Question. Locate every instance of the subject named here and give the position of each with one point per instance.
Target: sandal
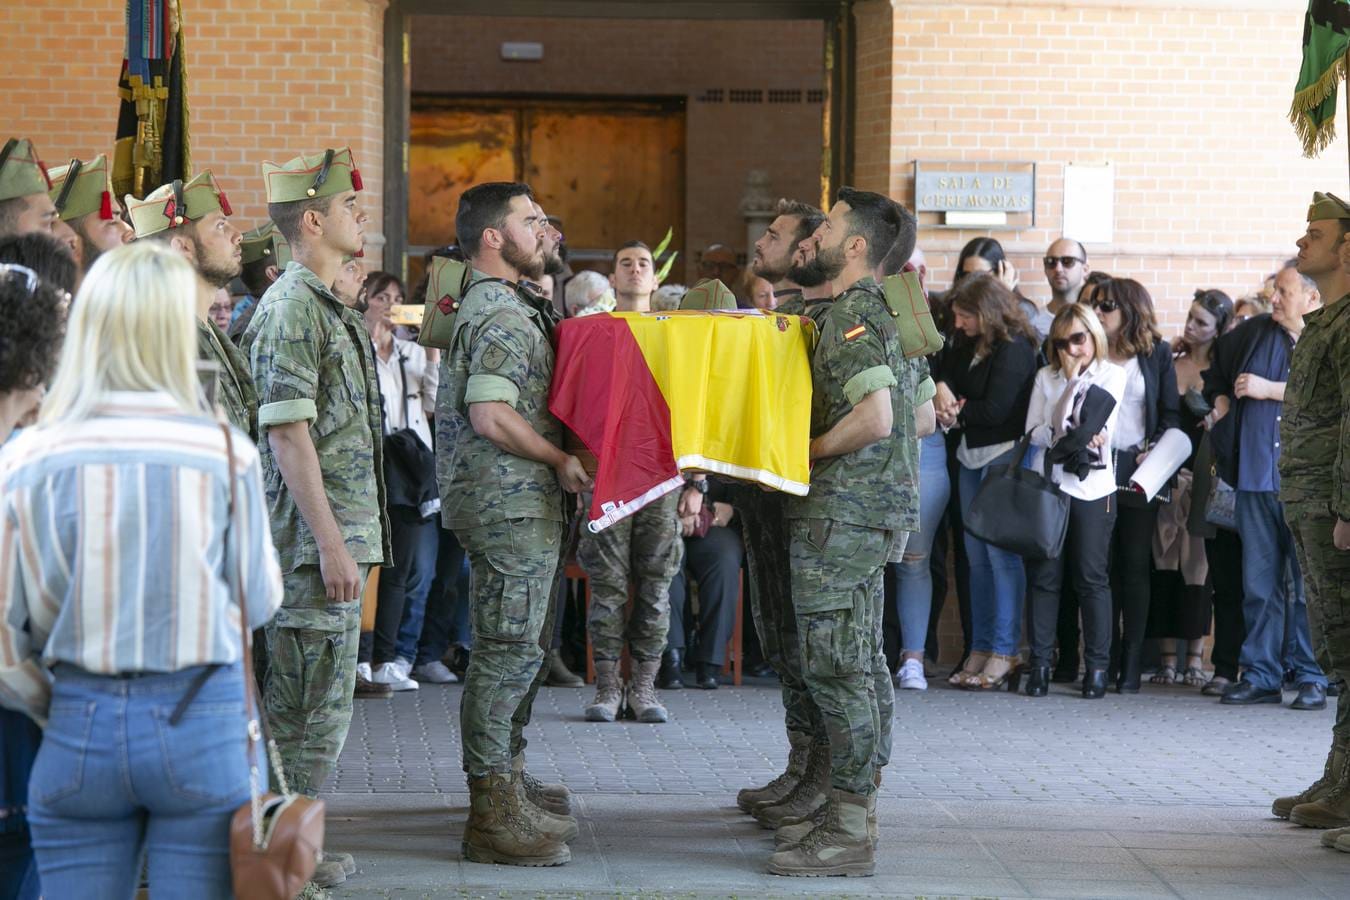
(1194, 676)
(1164, 675)
(974, 665)
(997, 670)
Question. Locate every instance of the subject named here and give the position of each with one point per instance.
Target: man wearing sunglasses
(24, 204)
(1066, 268)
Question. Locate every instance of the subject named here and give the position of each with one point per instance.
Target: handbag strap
(256, 725)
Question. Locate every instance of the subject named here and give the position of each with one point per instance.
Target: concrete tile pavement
(1165, 794)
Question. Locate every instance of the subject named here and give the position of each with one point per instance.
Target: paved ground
(1165, 794)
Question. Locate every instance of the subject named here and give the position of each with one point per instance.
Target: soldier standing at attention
(25, 206)
(801, 788)
(1315, 490)
(322, 467)
(193, 219)
(82, 195)
(502, 477)
(842, 532)
(644, 548)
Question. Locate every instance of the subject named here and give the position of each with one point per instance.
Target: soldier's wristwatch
(701, 486)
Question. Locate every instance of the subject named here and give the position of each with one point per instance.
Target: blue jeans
(115, 781)
(998, 582)
(915, 594)
(406, 585)
(1277, 623)
(444, 618)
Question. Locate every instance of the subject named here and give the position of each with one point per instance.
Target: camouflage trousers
(837, 590)
(525, 709)
(763, 515)
(512, 566)
(646, 550)
(311, 672)
(1326, 583)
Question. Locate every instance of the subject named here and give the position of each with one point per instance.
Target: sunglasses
(1077, 339)
(1106, 306)
(16, 272)
(1067, 262)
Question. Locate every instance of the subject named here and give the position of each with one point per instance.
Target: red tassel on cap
(105, 210)
(359, 254)
(224, 203)
(356, 180)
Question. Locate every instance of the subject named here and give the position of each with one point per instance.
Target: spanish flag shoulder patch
(856, 331)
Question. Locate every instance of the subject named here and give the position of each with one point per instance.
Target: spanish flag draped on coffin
(656, 394)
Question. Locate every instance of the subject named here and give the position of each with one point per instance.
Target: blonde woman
(1078, 361)
(118, 626)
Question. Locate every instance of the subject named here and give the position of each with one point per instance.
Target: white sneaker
(404, 666)
(363, 671)
(435, 672)
(389, 673)
(910, 676)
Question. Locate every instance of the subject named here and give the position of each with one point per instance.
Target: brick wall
(1187, 99)
(265, 80)
(659, 58)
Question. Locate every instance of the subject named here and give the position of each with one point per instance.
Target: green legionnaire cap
(80, 188)
(708, 294)
(22, 174)
(172, 205)
(257, 244)
(308, 177)
(1327, 206)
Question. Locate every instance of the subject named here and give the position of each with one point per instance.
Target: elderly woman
(123, 555)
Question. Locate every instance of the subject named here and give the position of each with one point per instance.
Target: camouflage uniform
(842, 533)
(235, 392)
(1315, 484)
(764, 528)
(507, 511)
(646, 548)
(311, 361)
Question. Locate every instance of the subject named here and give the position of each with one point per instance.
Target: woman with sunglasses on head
(1056, 415)
(985, 255)
(1151, 406)
(984, 385)
(1180, 605)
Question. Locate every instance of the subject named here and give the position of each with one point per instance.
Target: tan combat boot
(1329, 838)
(642, 692)
(1283, 806)
(838, 846)
(794, 830)
(500, 831)
(608, 692)
(806, 797)
(779, 788)
(554, 798)
(1332, 808)
(559, 828)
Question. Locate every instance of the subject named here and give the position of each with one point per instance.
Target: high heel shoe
(1038, 681)
(1094, 684)
(974, 665)
(997, 670)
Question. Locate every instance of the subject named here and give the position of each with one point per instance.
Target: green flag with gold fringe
(1326, 37)
(152, 128)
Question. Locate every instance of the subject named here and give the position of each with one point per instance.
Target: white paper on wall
(1090, 202)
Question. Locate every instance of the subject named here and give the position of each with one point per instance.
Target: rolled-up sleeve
(285, 363)
(499, 361)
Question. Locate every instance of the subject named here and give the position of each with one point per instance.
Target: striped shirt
(112, 541)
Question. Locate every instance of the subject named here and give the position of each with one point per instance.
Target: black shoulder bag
(1021, 510)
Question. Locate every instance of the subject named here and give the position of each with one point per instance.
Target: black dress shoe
(669, 677)
(1038, 681)
(1244, 693)
(1130, 675)
(1310, 696)
(1094, 684)
(707, 679)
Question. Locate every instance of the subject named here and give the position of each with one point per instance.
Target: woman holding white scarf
(1078, 361)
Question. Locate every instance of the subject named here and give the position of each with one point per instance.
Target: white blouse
(1130, 429)
(410, 398)
(1045, 396)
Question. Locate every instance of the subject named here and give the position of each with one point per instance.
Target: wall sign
(976, 194)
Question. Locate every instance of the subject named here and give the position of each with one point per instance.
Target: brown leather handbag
(276, 839)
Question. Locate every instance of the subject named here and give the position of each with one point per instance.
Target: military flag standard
(152, 127)
(1326, 38)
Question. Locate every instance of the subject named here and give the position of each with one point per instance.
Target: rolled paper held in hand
(1164, 459)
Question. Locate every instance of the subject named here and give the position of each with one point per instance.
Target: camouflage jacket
(1315, 420)
(500, 350)
(859, 353)
(311, 361)
(235, 392)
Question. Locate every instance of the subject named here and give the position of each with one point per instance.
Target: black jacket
(1232, 354)
(997, 390)
(1162, 403)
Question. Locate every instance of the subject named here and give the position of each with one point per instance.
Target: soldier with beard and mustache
(82, 194)
(193, 218)
(502, 478)
(803, 290)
